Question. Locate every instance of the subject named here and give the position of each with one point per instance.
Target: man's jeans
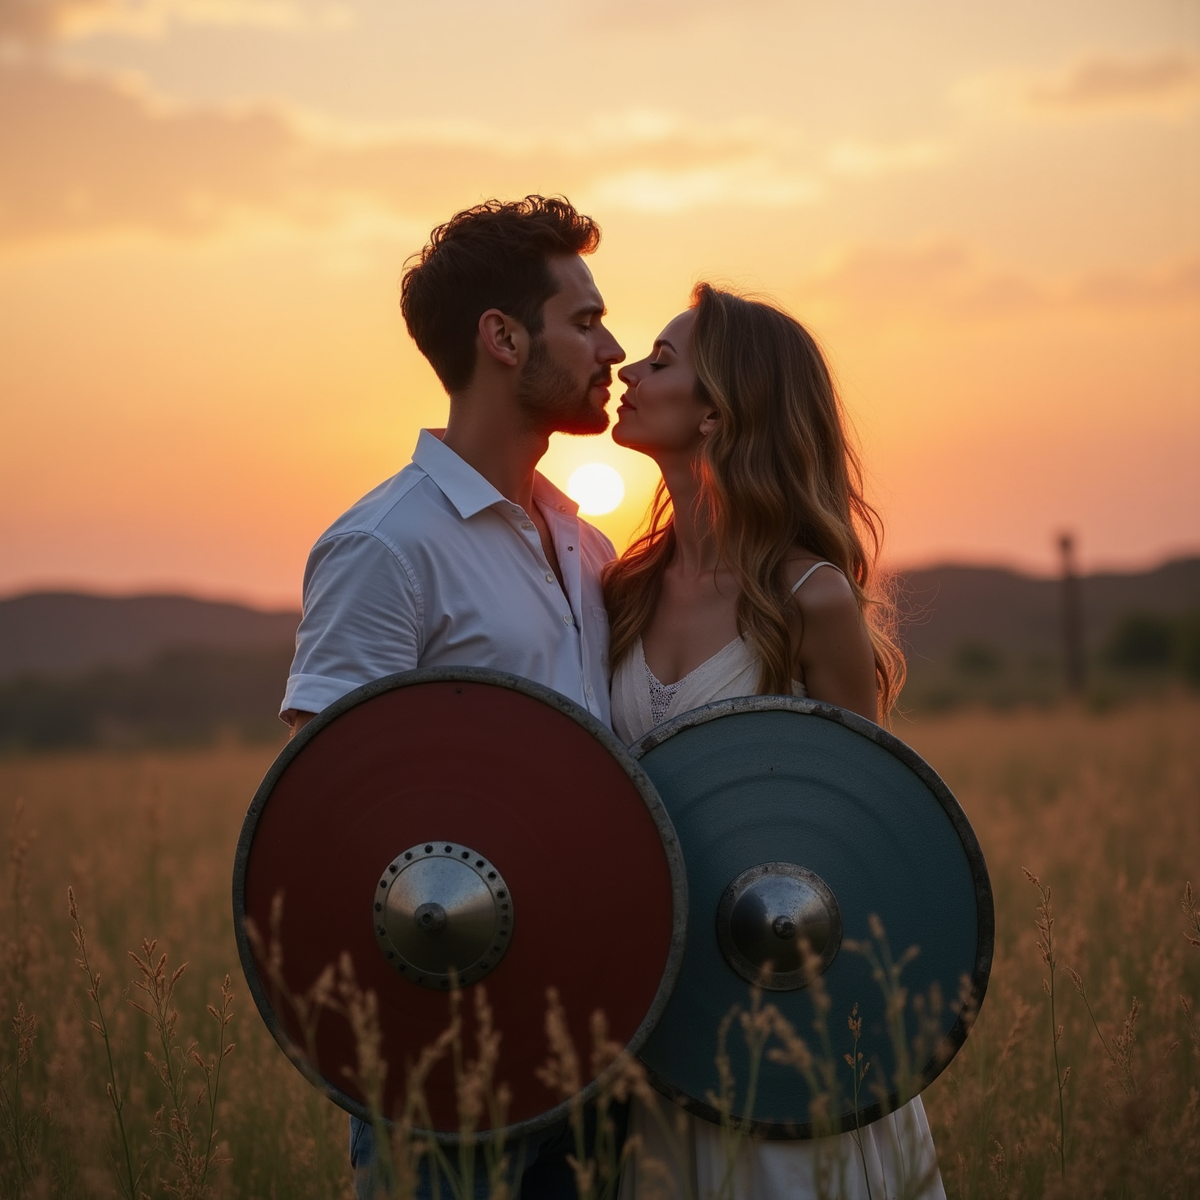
(537, 1167)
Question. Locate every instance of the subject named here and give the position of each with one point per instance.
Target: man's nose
(612, 352)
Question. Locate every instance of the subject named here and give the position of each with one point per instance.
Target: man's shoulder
(394, 510)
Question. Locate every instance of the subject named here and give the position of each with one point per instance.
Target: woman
(753, 578)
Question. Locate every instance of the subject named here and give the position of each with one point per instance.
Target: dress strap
(822, 563)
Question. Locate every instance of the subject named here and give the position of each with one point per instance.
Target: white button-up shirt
(435, 568)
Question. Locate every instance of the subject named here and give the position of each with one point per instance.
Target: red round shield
(554, 838)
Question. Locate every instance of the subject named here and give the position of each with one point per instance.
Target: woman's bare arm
(836, 661)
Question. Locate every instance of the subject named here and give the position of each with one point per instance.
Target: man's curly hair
(495, 255)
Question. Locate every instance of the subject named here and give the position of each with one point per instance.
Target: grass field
(1104, 809)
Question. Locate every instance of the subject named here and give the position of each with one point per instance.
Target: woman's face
(659, 412)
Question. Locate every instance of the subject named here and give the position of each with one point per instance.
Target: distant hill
(67, 633)
(80, 670)
(943, 607)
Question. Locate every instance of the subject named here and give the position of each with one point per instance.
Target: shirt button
(589, 690)
(549, 577)
(526, 524)
(568, 619)
(562, 508)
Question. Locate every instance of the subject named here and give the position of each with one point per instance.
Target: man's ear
(503, 337)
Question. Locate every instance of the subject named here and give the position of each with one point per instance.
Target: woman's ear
(709, 422)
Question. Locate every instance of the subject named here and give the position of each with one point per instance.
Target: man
(468, 557)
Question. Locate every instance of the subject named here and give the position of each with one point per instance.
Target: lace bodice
(640, 701)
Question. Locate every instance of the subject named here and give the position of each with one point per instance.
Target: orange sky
(987, 213)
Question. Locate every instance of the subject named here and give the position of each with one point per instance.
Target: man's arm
(362, 620)
(296, 720)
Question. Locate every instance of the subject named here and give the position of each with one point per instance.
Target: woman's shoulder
(818, 585)
(810, 576)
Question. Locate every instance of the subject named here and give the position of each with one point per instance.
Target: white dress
(898, 1150)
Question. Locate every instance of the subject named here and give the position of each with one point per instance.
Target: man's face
(564, 382)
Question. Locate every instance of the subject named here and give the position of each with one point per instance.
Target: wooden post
(1075, 667)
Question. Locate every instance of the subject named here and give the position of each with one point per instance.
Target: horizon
(169, 591)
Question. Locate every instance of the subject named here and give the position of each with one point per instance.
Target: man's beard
(551, 398)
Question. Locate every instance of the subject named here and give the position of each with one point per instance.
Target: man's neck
(503, 453)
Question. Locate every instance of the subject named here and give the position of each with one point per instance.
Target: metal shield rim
(620, 752)
(984, 900)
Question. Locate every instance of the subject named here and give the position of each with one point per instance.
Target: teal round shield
(840, 925)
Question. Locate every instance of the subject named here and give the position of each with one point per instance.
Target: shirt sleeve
(361, 620)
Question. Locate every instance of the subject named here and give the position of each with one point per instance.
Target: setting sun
(597, 488)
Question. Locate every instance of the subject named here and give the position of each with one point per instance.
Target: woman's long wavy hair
(776, 474)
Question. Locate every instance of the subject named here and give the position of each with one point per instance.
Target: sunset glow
(985, 213)
(597, 488)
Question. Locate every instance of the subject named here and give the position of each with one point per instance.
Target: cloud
(747, 183)
(87, 156)
(867, 159)
(951, 282)
(1102, 83)
(37, 22)
(621, 18)
(80, 154)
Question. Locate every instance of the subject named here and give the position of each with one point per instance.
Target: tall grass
(131, 1075)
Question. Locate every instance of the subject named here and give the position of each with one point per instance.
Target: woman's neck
(695, 544)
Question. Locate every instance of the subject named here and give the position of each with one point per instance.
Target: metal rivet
(408, 854)
(393, 868)
(383, 883)
(428, 849)
(449, 849)
(379, 908)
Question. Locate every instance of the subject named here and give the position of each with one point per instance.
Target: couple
(752, 576)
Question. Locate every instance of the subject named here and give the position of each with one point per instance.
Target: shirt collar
(467, 490)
